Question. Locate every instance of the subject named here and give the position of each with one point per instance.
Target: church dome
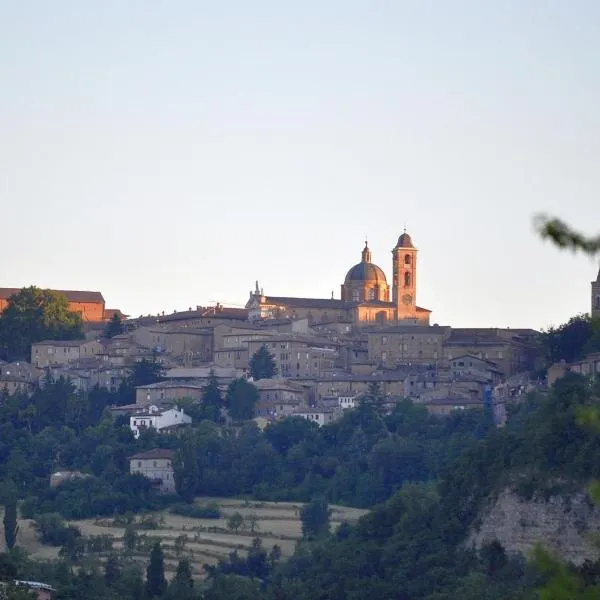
(366, 270)
(404, 241)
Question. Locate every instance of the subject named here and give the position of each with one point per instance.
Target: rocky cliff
(563, 523)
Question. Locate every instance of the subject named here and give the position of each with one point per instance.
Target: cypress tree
(156, 584)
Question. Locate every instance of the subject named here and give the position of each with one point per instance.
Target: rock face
(564, 524)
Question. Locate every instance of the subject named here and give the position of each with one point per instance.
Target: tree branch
(563, 236)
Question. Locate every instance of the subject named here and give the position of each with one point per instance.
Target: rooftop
(71, 295)
(157, 453)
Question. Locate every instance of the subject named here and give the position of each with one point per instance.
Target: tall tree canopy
(114, 326)
(262, 364)
(241, 399)
(33, 315)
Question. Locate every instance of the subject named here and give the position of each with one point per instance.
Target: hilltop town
(326, 352)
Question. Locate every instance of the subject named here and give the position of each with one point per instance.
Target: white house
(346, 402)
(321, 415)
(157, 419)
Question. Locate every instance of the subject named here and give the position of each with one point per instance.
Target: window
(407, 259)
(384, 339)
(597, 302)
(406, 279)
(500, 354)
(355, 296)
(372, 294)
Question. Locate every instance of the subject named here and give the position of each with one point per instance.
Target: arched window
(406, 279)
(407, 259)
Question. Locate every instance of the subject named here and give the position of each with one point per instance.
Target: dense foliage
(262, 364)
(33, 315)
(572, 340)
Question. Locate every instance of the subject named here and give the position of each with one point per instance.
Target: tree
(253, 522)
(145, 372)
(33, 315)
(187, 469)
(572, 340)
(114, 326)
(212, 399)
(11, 527)
(262, 364)
(563, 236)
(315, 518)
(241, 399)
(183, 575)
(129, 539)
(156, 584)
(235, 521)
(234, 587)
(112, 570)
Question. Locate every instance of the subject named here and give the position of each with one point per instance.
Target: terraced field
(206, 540)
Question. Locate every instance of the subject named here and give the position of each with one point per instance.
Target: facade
(157, 419)
(404, 345)
(596, 297)
(366, 296)
(277, 398)
(320, 415)
(511, 350)
(90, 305)
(297, 356)
(51, 352)
(468, 365)
(165, 391)
(201, 316)
(157, 466)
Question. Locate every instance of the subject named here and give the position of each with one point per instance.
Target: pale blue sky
(170, 153)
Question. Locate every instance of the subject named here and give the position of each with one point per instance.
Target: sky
(170, 154)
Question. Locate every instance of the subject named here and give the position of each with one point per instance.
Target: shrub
(54, 531)
(197, 511)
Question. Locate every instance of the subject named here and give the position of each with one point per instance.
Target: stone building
(404, 345)
(366, 297)
(157, 419)
(297, 356)
(62, 352)
(277, 398)
(157, 466)
(167, 391)
(511, 350)
(596, 297)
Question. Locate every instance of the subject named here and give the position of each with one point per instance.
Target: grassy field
(208, 540)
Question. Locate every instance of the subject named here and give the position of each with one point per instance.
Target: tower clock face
(407, 299)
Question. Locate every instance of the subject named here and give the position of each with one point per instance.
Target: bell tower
(404, 288)
(596, 297)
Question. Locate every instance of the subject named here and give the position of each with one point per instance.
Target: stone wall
(564, 524)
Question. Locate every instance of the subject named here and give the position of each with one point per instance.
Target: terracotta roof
(150, 454)
(310, 302)
(222, 312)
(109, 313)
(72, 343)
(71, 295)
(411, 329)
